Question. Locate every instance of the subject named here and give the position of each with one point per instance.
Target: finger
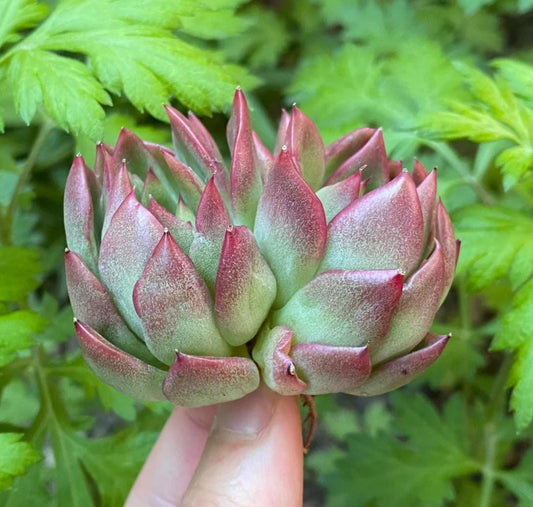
(254, 455)
(171, 463)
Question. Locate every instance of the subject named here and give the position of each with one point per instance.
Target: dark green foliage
(449, 81)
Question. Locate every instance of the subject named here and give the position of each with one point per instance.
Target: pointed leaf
(343, 308)
(420, 173)
(371, 159)
(401, 371)
(79, 212)
(192, 148)
(175, 306)
(381, 230)
(450, 247)
(263, 156)
(427, 193)
(336, 197)
(281, 138)
(326, 369)
(245, 287)
(181, 231)
(194, 381)
(121, 370)
(271, 353)
(152, 187)
(188, 183)
(212, 218)
(342, 149)
(416, 309)
(307, 147)
(245, 176)
(128, 244)
(117, 186)
(290, 227)
(92, 305)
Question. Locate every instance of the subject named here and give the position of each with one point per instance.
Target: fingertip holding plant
(314, 269)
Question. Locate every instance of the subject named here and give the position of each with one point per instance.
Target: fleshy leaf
(398, 372)
(342, 149)
(212, 221)
(92, 305)
(371, 160)
(188, 183)
(192, 148)
(264, 157)
(281, 137)
(291, 237)
(175, 306)
(245, 287)
(420, 173)
(181, 231)
(450, 247)
(126, 247)
(416, 309)
(130, 148)
(153, 187)
(381, 230)
(245, 176)
(336, 197)
(306, 146)
(427, 193)
(121, 370)
(79, 212)
(117, 186)
(194, 381)
(326, 369)
(212, 218)
(271, 353)
(343, 308)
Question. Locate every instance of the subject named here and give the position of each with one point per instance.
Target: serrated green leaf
(70, 479)
(495, 240)
(18, 270)
(494, 113)
(417, 470)
(522, 378)
(66, 87)
(15, 331)
(262, 42)
(388, 92)
(515, 334)
(17, 15)
(518, 75)
(158, 65)
(15, 458)
(105, 454)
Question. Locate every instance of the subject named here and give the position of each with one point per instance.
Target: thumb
(254, 454)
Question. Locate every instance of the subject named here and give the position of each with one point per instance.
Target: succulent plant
(316, 269)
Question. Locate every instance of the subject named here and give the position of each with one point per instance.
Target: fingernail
(247, 417)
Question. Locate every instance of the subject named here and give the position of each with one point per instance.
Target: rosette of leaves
(317, 269)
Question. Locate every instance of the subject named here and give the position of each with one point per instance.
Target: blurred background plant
(448, 80)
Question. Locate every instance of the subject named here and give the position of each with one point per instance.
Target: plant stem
(493, 412)
(24, 175)
(487, 485)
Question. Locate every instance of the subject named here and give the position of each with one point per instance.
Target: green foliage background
(448, 80)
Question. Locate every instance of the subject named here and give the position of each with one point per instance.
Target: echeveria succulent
(318, 269)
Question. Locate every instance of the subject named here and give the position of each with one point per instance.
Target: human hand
(246, 452)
